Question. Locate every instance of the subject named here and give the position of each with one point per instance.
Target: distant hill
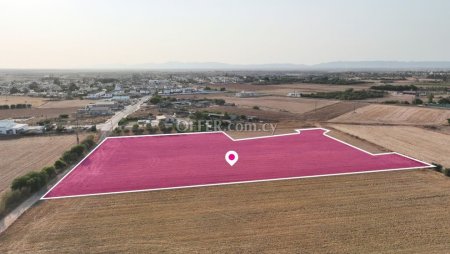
(342, 65)
(389, 65)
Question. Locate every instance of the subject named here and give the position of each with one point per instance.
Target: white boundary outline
(297, 132)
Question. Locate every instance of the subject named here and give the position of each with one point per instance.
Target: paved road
(114, 120)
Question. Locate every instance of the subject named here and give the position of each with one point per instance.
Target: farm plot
(19, 156)
(390, 212)
(144, 163)
(387, 114)
(417, 142)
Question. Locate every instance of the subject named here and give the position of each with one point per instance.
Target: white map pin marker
(231, 157)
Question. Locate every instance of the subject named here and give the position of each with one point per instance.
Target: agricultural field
(389, 114)
(22, 155)
(417, 142)
(284, 89)
(43, 109)
(66, 104)
(399, 212)
(34, 101)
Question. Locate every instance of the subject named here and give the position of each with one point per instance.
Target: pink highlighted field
(144, 163)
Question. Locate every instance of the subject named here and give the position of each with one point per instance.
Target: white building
(294, 94)
(9, 127)
(245, 94)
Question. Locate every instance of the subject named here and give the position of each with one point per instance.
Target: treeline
(15, 106)
(332, 81)
(348, 94)
(395, 88)
(24, 186)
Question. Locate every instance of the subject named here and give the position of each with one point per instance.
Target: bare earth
(38, 113)
(34, 101)
(66, 104)
(284, 89)
(394, 212)
(387, 114)
(19, 156)
(419, 143)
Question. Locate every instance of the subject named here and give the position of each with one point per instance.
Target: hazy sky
(73, 34)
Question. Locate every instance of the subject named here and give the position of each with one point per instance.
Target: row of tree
(24, 186)
(15, 106)
(395, 88)
(348, 94)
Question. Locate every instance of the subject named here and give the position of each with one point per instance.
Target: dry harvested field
(387, 114)
(66, 104)
(270, 103)
(19, 156)
(392, 212)
(34, 101)
(284, 89)
(38, 113)
(419, 143)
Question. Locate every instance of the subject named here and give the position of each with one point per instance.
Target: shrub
(155, 99)
(446, 172)
(36, 180)
(123, 121)
(64, 116)
(150, 129)
(32, 181)
(256, 107)
(60, 165)
(417, 101)
(93, 128)
(69, 157)
(437, 167)
(50, 171)
(78, 150)
(19, 182)
(448, 120)
(88, 142)
(11, 199)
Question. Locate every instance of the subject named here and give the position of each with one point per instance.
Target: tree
(448, 120)
(88, 142)
(19, 183)
(222, 89)
(117, 131)
(417, 101)
(155, 99)
(78, 150)
(14, 90)
(135, 128)
(430, 98)
(93, 128)
(162, 126)
(73, 87)
(444, 101)
(150, 129)
(60, 165)
(256, 107)
(50, 171)
(34, 86)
